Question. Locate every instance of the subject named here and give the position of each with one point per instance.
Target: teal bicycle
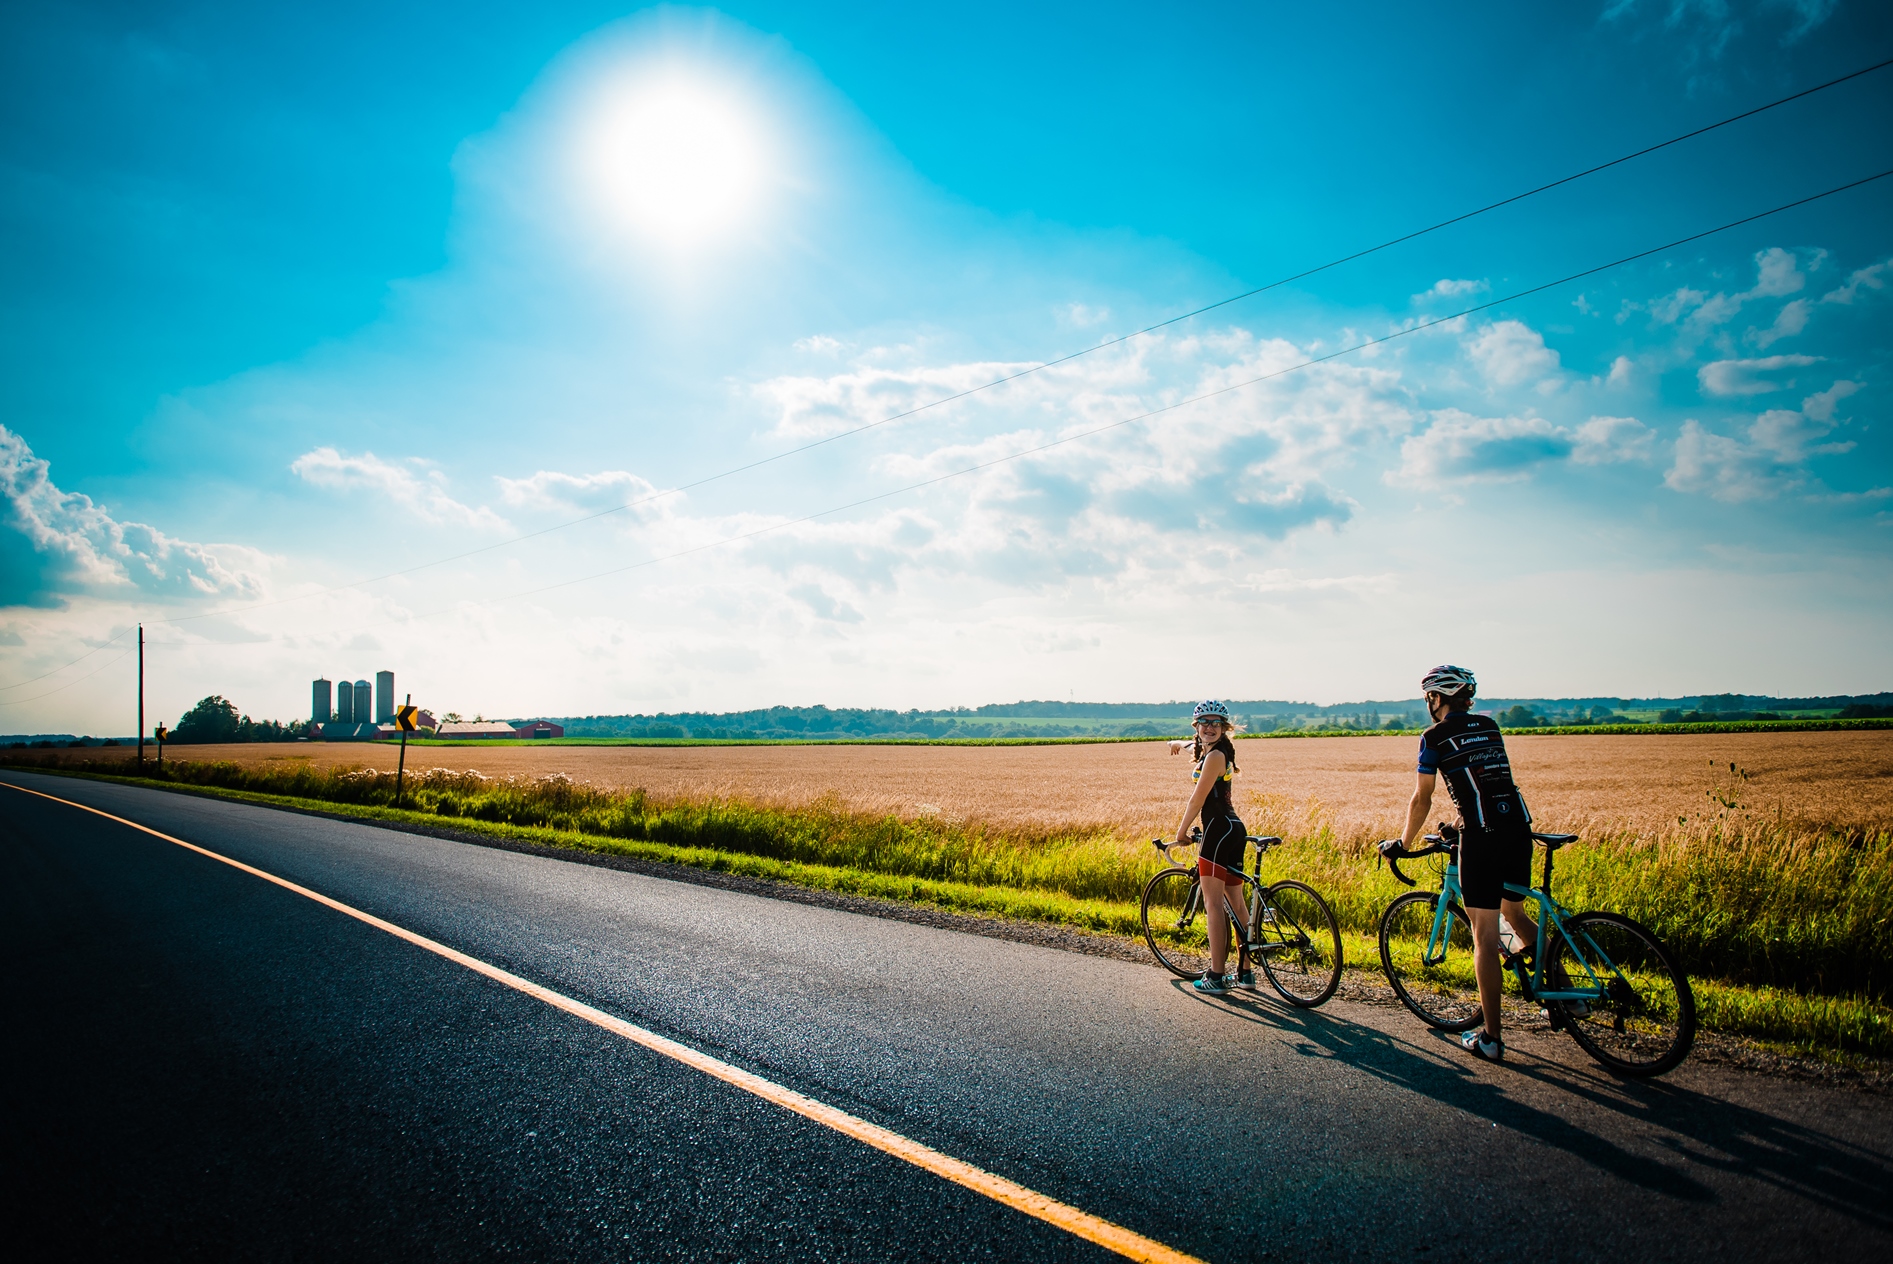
(1602, 977)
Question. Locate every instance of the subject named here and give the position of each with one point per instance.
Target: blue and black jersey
(1469, 752)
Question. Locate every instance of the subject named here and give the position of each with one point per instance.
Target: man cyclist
(1494, 831)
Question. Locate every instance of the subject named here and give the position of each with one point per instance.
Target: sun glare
(678, 159)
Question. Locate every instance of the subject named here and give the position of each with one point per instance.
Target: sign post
(140, 730)
(160, 732)
(404, 720)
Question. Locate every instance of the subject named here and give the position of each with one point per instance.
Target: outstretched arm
(1420, 805)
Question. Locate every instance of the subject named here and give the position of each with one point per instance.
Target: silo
(344, 703)
(384, 697)
(320, 705)
(364, 702)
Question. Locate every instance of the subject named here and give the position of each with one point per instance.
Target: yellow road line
(1083, 1224)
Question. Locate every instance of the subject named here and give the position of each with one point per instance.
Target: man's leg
(1485, 964)
(1522, 924)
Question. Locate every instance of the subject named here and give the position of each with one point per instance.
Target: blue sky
(297, 298)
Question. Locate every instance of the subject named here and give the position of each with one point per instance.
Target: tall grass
(1745, 901)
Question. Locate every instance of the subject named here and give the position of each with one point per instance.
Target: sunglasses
(1200, 723)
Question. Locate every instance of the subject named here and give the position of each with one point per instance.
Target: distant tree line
(1160, 719)
(215, 719)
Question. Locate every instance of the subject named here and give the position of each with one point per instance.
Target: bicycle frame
(1257, 902)
(1551, 914)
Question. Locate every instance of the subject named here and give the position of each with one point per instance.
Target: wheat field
(1358, 786)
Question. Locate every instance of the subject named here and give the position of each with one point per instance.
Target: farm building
(539, 728)
(340, 732)
(475, 731)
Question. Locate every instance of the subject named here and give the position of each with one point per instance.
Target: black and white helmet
(1448, 681)
(1210, 709)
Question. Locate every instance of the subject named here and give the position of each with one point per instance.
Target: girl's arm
(1213, 767)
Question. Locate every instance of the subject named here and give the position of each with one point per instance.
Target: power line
(1048, 364)
(55, 671)
(1195, 399)
(70, 683)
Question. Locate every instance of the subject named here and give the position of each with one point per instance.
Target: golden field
(1359, 785)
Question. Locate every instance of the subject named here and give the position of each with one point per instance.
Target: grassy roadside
(1829, 1026)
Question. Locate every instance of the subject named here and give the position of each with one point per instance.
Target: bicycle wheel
(1299, 943)
(1174, 924)
(1442, 993)
(1645, 1022)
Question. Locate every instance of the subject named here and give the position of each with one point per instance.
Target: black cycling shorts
(1220, 855)
(1487, 861)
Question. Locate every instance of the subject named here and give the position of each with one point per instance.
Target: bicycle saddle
(1554, 841)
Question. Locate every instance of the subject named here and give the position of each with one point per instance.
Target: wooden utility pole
(141, 697)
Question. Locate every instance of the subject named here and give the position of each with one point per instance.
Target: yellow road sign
(404, 718)
(161, 732)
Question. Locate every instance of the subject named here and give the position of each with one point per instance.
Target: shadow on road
(1689, 1128)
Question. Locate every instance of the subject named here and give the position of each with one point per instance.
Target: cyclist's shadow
(1435, 1069)
(1725, 1136)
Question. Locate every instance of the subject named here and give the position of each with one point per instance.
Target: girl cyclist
(1219, 857)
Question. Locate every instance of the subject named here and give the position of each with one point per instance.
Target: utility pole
(141, 698)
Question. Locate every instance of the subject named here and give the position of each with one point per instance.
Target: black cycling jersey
(1219, 803)
(1469, 752)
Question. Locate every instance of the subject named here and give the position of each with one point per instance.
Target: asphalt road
(200, 1063)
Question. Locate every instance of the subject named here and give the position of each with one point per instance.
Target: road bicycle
(1293, 934)
(1602, 977)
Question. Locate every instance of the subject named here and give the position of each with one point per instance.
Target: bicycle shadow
(1443, 1074)
(1735, 1139)
(1694, 1129)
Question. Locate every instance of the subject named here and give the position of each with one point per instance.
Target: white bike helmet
(1210, 709)
(1448, 681)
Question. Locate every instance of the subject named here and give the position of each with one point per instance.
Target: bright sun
(679, 158)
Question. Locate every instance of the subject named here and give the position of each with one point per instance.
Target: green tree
(212, 720)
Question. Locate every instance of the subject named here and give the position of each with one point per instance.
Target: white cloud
(1605, 440)
(1460, 446)
(1509, 352)
(1872, 277)
(1820, 405)
(1446, 288)
(1778, 273)
(551, 490)
(1768, 462)
(824, 606)
(1745, 377)
(398, 487)
(1620, 369)
(55, 544)
(811, 406)
(1789, 321)
(818, 344)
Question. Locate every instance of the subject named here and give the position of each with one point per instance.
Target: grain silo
(384, 697)
(320, 704)
(344, 703)
(364, 702)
